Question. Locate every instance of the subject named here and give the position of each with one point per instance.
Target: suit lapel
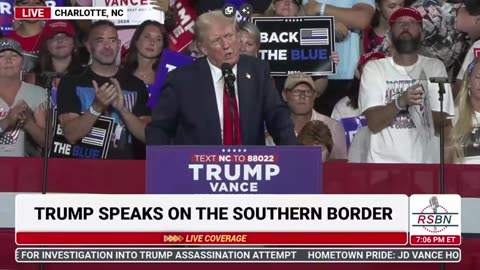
(208, 100)
(245, 85)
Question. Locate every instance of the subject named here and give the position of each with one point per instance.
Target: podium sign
(227, 170)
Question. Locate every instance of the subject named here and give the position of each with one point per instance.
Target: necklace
(145, 76)
(407, 69)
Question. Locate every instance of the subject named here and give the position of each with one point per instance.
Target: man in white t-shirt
(398, 100)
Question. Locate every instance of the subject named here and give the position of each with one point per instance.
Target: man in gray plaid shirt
(449, 30)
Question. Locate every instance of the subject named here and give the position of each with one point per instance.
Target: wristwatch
(92, 111)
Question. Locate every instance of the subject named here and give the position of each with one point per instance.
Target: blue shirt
(348, 49)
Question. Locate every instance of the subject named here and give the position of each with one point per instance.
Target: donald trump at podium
(222, 99)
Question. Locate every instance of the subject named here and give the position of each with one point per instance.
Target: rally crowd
(386, 51)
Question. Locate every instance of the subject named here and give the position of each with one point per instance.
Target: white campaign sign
(137, 11)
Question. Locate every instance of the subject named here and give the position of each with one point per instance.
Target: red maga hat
(406, 11)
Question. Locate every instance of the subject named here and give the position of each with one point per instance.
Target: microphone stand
(441, 92)
(232, 112)
(48, 87)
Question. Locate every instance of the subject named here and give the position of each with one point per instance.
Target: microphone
(440, 80)
(434, 203)
(229, 78)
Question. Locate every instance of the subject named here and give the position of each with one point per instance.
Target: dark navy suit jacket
(187, 112)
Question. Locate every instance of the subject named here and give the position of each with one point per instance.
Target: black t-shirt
(76, 94)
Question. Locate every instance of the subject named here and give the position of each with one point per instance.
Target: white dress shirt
(219, 83)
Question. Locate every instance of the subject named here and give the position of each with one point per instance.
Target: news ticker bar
(239, 255)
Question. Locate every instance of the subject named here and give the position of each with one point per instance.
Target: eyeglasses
(406, 23)
(299, 92)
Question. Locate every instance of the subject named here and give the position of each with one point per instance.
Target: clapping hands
(20, 114)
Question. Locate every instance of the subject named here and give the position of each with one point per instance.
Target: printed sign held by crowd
(300, 44)
(138, 11)
(182, 34)
(352, 125)
(168, 62)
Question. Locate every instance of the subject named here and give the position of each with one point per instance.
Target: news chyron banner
(192, 220)
(297, 44)
(435, 220)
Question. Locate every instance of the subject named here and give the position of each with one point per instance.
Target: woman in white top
(465, 135)
(23, 108)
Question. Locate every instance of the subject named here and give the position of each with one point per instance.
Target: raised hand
(26, 116)
(14, 115)
(334, 57)
(312, 8)
(341, 31)
(161, 5)
(104, 96)
(412, 96)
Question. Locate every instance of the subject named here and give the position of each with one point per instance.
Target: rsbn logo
(435, 218)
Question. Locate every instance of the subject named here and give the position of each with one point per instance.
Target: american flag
(96, 136)
(10, 137)
(314, 36)
(130, 99)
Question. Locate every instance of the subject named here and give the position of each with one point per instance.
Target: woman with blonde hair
(465, 135)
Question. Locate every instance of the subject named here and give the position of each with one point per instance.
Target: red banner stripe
(436, 240)
(209, 238)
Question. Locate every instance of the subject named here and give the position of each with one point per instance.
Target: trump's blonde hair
(205, 20)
